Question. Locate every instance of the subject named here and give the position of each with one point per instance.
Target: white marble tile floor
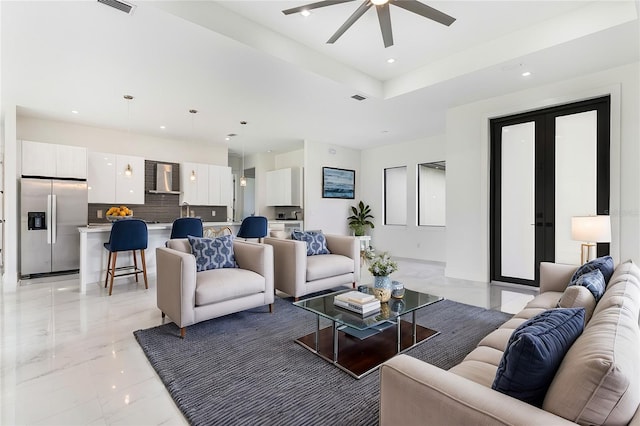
(68, 359)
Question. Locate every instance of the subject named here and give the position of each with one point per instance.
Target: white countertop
(106, 227)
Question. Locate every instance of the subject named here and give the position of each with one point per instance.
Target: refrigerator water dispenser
(36, 221)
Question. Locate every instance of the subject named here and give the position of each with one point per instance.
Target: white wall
(11, 217)
(119, 142)
(262, 163)
(289, 159)
(410, 241)
(468, 164)
(328, 214)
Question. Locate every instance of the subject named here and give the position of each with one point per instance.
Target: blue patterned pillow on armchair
(213, 253)
(316, 241)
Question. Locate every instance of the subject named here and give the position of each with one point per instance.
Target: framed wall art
(338, 183)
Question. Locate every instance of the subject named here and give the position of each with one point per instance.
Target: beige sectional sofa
(598, 381)
(189, 297)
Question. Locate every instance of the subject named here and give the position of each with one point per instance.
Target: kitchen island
(93, 256)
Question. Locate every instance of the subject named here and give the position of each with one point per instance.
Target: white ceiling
(245, 60)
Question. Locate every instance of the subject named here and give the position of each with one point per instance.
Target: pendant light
(128, 171)
(243, 179)
(193, 113)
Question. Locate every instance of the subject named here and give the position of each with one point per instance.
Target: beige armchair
(297, 274)
(189, 297)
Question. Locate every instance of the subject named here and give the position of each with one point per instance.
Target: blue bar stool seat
(126, 235)
(253, 227)
(186, 226)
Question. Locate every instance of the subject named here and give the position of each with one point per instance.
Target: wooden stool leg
(270, 308)
(144, 269)
(113, 270)
(106, 275)
(183, 332)
(135, 263)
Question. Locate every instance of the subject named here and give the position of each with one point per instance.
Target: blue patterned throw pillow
(604, 264)
(316, 241)
(593, 281)
(213, 253)
(534, 352)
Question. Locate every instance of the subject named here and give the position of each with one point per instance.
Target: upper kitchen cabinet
(194, 183)
(53, 160)
(220, 185)
(115, 179)
(284, 187)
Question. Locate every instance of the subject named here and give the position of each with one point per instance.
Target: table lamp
(590, 230)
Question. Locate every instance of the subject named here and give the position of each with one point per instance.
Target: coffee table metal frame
(365, 326)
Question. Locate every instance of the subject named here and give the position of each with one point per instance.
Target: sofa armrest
(555, 276)
(413, 392)
(290, 265)
(176, 285)
(346, 246)
(257, 258)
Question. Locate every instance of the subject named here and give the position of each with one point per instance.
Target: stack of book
(358, 302)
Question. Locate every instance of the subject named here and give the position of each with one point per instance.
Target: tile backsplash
(162, 208)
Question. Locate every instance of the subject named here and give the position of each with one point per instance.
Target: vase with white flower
(381, 267)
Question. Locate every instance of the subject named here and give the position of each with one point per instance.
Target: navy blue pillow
(316, 241)
(604, 264)
(534, 353)
(594, 282)
(213, 253)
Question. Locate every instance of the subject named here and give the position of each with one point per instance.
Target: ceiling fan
(384, 17)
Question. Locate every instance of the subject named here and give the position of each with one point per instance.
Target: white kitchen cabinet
(101, 178)
(194, 184)
(129, 187)
(108, 182)
(284, 187)
(53, 160)
(71, 161)
(220, 182)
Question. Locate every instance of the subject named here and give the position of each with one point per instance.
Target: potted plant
(359, 220)
(381, 267)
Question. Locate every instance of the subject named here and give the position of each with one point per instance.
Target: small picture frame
(338, 183)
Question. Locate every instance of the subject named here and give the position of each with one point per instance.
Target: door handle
(54, 218)
(49, 218)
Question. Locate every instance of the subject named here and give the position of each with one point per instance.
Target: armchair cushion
(218, 285)
(328, 265)
(213, 253)
(316, 241)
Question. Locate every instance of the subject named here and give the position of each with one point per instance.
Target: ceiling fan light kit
(384, 16)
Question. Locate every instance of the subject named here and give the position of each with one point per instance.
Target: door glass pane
(576, 154)
(431, 194)
(395, 196)
(518, 201)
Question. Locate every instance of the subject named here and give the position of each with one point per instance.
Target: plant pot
(358, 230)
(382, 288)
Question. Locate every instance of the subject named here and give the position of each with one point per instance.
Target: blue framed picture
(338, 183)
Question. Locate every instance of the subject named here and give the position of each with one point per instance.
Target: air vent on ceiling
(118, 4)
(358, 97)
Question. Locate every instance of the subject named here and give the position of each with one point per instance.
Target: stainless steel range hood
(164, 180)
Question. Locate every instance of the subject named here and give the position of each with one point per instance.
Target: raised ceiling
(245, 60)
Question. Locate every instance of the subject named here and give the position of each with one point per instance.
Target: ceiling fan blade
(314, 6)
(426, 11)
(349, 22)
(384, 17)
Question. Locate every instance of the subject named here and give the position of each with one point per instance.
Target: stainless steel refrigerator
(51, 211)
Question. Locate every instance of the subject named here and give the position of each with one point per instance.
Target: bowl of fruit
(117, 213)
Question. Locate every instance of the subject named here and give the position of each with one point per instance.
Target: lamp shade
(595, 229)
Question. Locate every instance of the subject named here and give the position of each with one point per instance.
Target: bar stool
(186, 226)
(126, 235)
(253, 227)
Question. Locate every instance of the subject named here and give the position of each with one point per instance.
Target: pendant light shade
(243, 179)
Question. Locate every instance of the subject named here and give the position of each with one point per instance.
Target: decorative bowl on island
(117, 213)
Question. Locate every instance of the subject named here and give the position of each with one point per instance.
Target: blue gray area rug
(246, 369)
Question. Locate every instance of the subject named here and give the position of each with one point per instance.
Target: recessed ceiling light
(227, 138)
(526, 74)
(305, 13)
(74, 112)
(163, 127)
(390, 60)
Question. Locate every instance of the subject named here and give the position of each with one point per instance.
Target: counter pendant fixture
(128, 171)
(193, 175)
(243, 179)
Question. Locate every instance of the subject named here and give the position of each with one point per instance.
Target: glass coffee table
(359, 344)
